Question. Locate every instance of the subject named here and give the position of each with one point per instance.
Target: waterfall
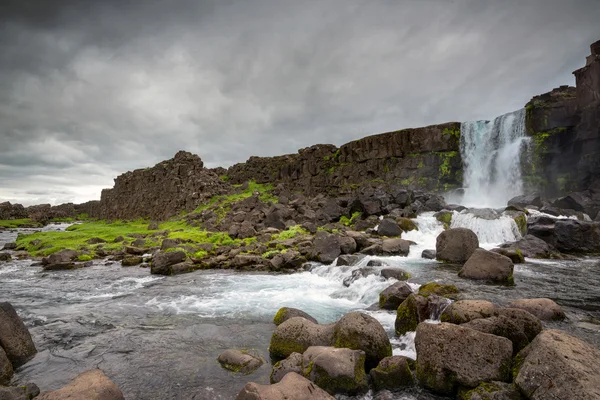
(490, 153)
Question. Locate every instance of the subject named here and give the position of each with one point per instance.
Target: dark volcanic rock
(14, 336)
(162, 261)
(393, 296)
(387, 227)
(456, 245)
(488, 265)
(90, 385)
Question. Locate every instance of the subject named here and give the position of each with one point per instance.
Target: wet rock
(62, 257)
(393, 296)
(5, 257)
(130, 261)
(558, 366)
(136, 251)
(394, 247)
(162, 261)
(410, 312)
(362, 239)
(292, 386)
(518, 326)
(326, 247)
(487, 265)
(349, 260)
(463, 311)
(182, 267)
(514, 254)
(577, 236)
(544, 309)
(375, 263)
(169, 244)
(449, 356)
(90, 385)
(393, 373)
(373, 250)
(360, 331)
(439, 289)
(388, 227)
(347, 244)
(526, 200)
(291, 364)
(456, 245)
(6, 368)
(492, 391)
(531, 246)
(297, 334)
(9, 246)
(26, 392)
(395, 273)
(286, 313)
(428, 254)
(240, 361)
(14, 336)
(95, 240)
(357, 274)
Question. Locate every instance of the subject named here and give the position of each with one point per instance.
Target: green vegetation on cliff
(18, 223)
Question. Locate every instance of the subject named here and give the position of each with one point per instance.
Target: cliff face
(422, 158)
(168, 188)
(564, 125)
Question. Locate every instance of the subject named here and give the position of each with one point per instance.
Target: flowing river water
(159, 337)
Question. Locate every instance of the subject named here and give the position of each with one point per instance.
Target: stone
(95, 240)
(336, 370)
(492, 391)
(410, 312)
(388, 227)
(90, 385)
(9, 246)
(449, 356)
(577, 236)
(291, 364)
(61, 257)
(526, 200)
(182, 268)
(428, 254)
(130, 261)
(14, 336)
(162, 261)
(456, 245)
(349, 260)
(241, 361)
(515, 256)
(375, 263)
(327, 247)
(297, 334)
(391, 297)
(292, 386)
(5, 257)
(169, 244)
(531, 246)
(347, 244)
(544, 309)
(439, 289)
(136, 251)
(558, 366)
(25, 392)
(395, 273)
(286, 313)
(487, 265)
(357, 274)
(518, 326)
(395, 247)
(360, 331)
(6, 368)
(392, 373)
(463, 311)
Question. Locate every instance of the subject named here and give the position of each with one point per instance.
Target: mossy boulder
(242, 361)
(408, 314)
(407, 225)
(492, 391)
(163, 260)
(130, 261)
(336, 370)
(297, 334)
(439, 289)
(358, 331)
(6, 368)
(521, 221)
(393, 373)
(463, 311)
(391, 297)
(445, 217)
(286, 313)
(544, 309)
(395, 273)
(450, 356)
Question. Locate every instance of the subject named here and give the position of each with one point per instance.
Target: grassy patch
(290, 233)
(350, 221)
(17, 223)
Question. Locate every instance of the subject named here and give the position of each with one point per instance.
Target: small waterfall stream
(490, 151)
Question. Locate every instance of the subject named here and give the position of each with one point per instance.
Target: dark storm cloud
(91, 89)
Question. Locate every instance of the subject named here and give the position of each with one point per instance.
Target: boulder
(449, 356)
(357, 274)
(456, 245)
(577, 236)
(439, 289)
(360, 331)
(95, 240)
(526, 200)
(492, 391)
(14, 336)
(240, 361)
(60, 258)
(531, 246)
(5, 257)
(544, 309)
(297, 334)
(558, 366)
(336, 370)
(514, 254)
(6, 368)
(362, 239)
(375, 263)
(292, 386)
(9, 246)
(412, 311)
(395, 273)
(388, 227)
(130, 261)
(182, 267)
(395, 247)
(90, 385)
(291, 364)
(349, 260)
(135, 251)
(393, 373)
(487, 265)
(169, 244)
(518, 326)
(286, 313)
(326, 247)
(25, 392)
(428, 254)
(391, 297)
(463, 311)
(347, 244)
(162, 261)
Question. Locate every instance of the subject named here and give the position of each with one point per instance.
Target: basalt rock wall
(423, 158)
(564, 125)
(170, 187)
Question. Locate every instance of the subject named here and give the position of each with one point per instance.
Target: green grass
(290, 233)
(350, 221)
(16, 223)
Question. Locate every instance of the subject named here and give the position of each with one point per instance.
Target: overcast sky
(91, 89)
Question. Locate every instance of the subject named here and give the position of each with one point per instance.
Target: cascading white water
(490, 152)
(490, 232)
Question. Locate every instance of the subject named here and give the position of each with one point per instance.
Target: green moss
(445, 218)
(84, 257)
(407, 318)
(350, 221)
(18, 223)
(521, 221)
(452, 132)
(445, 159)
(290, 233)
(408, 181)
(439, 289)
(224, 178)
(271, 253)
(407, 225)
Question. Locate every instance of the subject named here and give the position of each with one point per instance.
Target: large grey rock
(456, 245)
(526, 200)
(391, 297)
(336, 370)
(360, 331)
(60, 257)
(286, 313)
(395, 247)
(544, 309)
(297, 334)
(396, 273)
(531, 246)
(326, 247)
(162, 261)
(25, 392)
(449, 356)
(577, 236)
(492, 391)
(6, 368)
(387, 227)
(292, 386)
(414, 309)
(463, 311)
(291, 364)
(487, 265)
(14, 336)
(558, 366)
(241, 361)
(347, 244)
(392, 373)
(90, 385)
(349, 260)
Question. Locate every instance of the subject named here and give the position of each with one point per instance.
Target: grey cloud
(89, 90)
